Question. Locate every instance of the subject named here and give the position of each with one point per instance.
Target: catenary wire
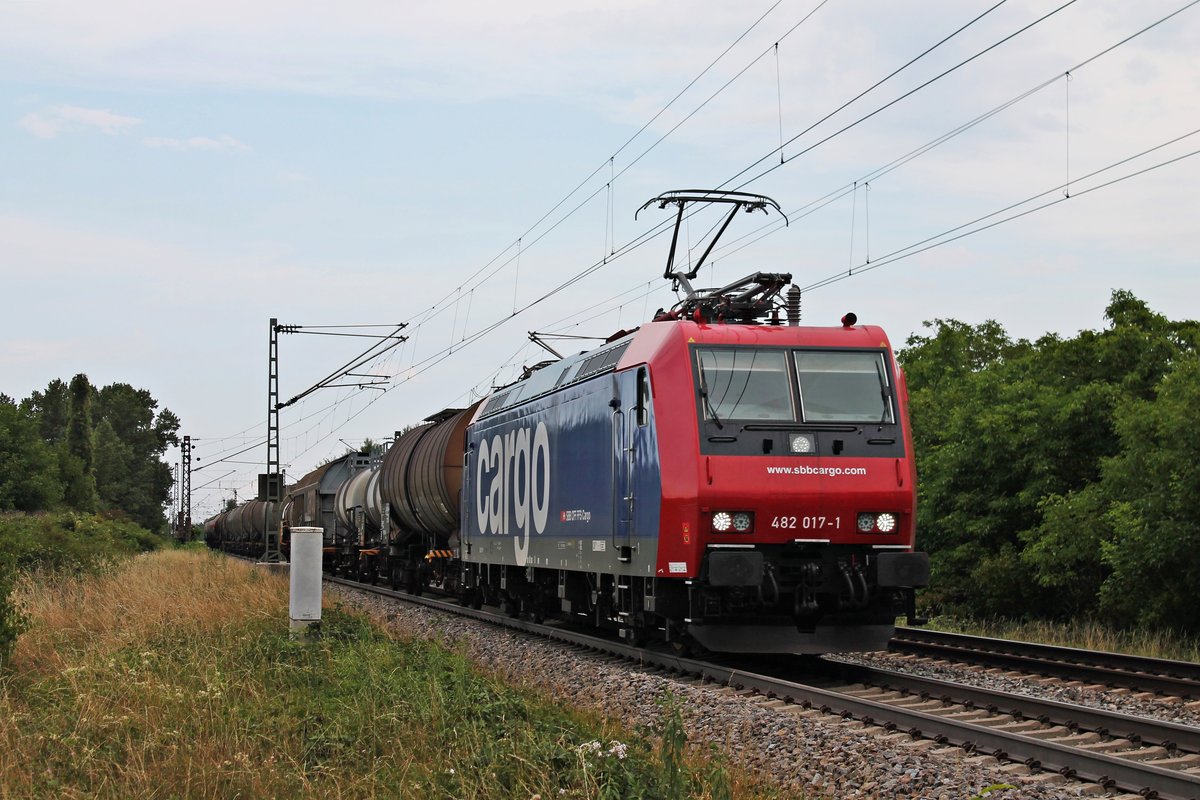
(434, 311)
(628, 247)
(939, 239)
(889, 104)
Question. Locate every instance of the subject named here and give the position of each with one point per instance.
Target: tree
(107, 445)
(52, 409)
(967, 407)
(76, 452)
(115, 469)
(1126, 364)
(28, 468)
(1151, 488)
(130, 439)
(1012, 439)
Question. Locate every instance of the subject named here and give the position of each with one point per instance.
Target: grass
(1085, 634)
(171, 675)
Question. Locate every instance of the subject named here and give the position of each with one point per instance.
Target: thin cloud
(49, 122)
(223, 143)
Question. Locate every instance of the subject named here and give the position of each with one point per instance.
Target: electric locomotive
(721, 478)
(715, 478)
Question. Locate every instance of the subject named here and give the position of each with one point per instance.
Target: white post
(305, 599)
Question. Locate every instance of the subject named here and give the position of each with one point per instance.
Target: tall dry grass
(116, 688)
(190, 593)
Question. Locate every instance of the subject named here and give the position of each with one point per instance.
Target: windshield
(746, 384)
(843, 387)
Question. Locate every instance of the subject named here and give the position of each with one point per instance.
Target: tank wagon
(241, 529)
(719, 478)
(389, 518)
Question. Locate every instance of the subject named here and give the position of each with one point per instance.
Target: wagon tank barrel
(421, 477)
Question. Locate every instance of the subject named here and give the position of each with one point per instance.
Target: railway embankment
(172, 674)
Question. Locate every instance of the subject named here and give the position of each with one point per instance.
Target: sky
(176, 174)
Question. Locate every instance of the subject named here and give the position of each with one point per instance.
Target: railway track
(1152, 743)
(1119, 752)
(1138, 673)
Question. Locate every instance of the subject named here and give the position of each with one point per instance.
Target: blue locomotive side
(568, 480)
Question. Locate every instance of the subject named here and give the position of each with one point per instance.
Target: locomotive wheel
(688, 647)
(412, 582)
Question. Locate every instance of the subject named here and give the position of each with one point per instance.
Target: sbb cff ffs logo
(512, 480)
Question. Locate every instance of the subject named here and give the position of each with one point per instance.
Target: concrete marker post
(304, 606)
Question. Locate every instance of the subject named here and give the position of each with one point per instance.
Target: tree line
(73, 446)
(1060, 478)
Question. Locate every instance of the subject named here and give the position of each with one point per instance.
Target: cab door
(631, 436)
(622, 483)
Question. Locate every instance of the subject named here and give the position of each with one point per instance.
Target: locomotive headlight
(722, 521)
(801, 443)
(743, 521)
(866, 523)
(886, 523)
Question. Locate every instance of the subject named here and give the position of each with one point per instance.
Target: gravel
(804, 752)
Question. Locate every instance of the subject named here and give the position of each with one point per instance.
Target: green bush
(70, 541)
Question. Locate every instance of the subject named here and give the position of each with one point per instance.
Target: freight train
(720, 478)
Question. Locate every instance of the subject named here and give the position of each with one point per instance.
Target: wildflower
(618, 749)
(590, 747)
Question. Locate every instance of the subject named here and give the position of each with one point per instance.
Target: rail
(1161, 676)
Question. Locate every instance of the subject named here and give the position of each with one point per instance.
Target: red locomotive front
(788, 484)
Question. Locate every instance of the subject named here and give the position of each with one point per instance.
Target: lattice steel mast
(270, 487)
(185, 494)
